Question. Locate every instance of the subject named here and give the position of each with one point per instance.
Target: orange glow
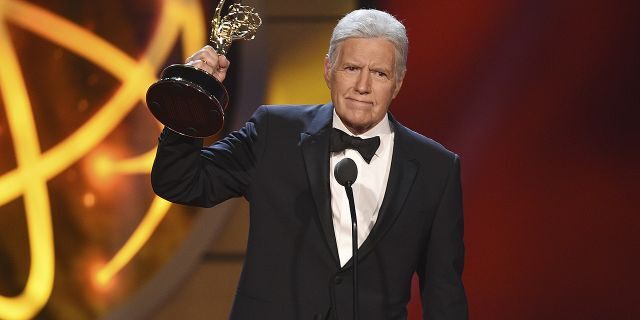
(35, 167)
(100, 284)
(98, 168)
(102, 166)
(89, 199)
(152, 218)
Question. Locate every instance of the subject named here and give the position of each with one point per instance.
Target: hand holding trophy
(188, 99)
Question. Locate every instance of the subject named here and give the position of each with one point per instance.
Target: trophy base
(189, 101)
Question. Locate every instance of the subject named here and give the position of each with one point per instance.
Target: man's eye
(350, 68)
(380, 74)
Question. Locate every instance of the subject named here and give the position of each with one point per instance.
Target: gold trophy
(191, 101)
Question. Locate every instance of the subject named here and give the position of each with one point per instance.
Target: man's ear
(398, 84)
(327, 71)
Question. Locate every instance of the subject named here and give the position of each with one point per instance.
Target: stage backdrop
(540, 99)
(80, 228)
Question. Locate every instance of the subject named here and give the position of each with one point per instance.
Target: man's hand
(208, 60)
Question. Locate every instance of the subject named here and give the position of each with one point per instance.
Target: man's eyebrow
(381, 69)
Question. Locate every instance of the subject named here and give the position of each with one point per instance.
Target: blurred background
(539, 98)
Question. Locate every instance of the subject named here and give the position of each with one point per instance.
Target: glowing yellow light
(36, 198)
(36, 168)
(155, 214)
(98, 284)
(102, 166)
(99, 167)
(140, 164)
(293, 79)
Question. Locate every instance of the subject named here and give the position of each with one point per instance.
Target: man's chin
(357, 127)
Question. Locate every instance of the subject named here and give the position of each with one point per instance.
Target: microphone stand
(354, 246)
(346, 173)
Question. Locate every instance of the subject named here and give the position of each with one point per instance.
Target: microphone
(346, 173)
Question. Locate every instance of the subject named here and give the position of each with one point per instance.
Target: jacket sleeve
(184, 172)
(443, 295)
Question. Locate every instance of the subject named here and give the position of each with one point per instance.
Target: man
(408, 198)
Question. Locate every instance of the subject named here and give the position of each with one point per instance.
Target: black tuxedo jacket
(280, 163)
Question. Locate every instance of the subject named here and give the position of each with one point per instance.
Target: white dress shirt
(368, 190)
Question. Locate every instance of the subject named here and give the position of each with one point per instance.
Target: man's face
(363, 81)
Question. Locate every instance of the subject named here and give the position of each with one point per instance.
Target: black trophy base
(189, 101)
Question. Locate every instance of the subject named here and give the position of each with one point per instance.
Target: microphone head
(346, 172)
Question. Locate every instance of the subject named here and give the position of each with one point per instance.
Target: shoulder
(290, 111)
(296, 117)
(422, 148)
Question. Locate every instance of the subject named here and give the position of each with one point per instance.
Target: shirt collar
(383, 129)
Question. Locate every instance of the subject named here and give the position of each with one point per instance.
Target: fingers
(208, 60)
(205, 59)
(202, 65)
(223, 65)
(209, 56)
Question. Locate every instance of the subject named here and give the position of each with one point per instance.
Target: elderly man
(408, 197)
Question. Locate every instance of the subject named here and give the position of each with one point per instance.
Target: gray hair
(371, 23)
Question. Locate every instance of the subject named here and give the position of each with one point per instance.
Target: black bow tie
(340, 140)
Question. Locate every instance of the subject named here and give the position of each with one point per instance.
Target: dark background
(540, 99)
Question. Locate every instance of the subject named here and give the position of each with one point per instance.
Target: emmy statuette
(191, 101)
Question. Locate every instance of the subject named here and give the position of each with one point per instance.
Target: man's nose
(363, 82)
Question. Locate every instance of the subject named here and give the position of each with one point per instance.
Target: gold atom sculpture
(34, 167)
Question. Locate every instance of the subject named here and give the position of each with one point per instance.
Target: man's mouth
(360, 101)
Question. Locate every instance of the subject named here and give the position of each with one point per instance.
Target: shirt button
(338, 280)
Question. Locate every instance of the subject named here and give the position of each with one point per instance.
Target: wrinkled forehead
(379, 52)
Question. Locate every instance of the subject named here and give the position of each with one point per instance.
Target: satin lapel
(401, 176)
(314, 144)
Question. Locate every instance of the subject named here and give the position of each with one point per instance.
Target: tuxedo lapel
(314, 143)
(401, 176)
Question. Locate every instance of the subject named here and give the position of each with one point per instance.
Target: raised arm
(185, 172)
